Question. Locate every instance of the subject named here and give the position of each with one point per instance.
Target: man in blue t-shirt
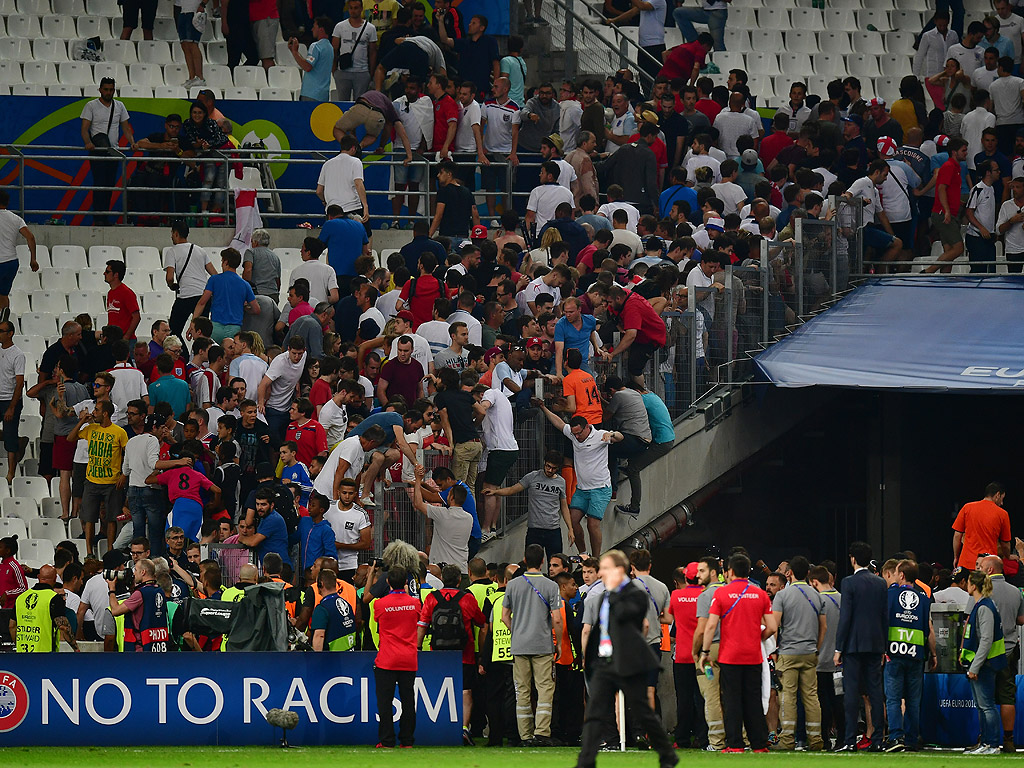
(317, 63)
(346, 241)
(228, 296)
(271, 533)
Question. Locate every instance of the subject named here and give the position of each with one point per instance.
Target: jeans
(181, 316)
(386, 680)
(984, 689)
(148, 511)
(278, 423)
(105, 170)
(630, 448)
(904, 681)
(685, 17)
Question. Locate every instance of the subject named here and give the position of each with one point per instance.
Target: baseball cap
(536, 341)
(855, 119)
(876, 102)
(749, 158)
(479, 232)
(886, 146)
(941, 140)
(960, 573)
(691, 571)
(491, 353)
(715, 223)
(555, 140)
(114, 559)
(406, 315)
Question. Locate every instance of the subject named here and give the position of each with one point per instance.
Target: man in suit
(619, 658)
(860, 643)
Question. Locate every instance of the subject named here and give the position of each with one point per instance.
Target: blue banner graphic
(184, 699)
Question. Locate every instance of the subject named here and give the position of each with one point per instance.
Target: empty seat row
(90, 280)
(800, 65)
(136, 257)
(784, 19)
(853, 5)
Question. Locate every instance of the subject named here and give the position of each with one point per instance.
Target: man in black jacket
(619, 658)
(860, 643)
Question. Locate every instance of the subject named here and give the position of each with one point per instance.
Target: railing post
(691, 310)
(798, 262)
(21, 178)
(730, 325)
(833, 251)
(623, 52)
(123, 161)
(764, 291)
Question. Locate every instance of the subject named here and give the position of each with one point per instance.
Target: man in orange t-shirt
(580, 390)
(982, 527)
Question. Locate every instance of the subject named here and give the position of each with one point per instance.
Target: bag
(284, 503)
(447, 628)
(101, 141)
(345, 60)
(199, 21)
(103, 621)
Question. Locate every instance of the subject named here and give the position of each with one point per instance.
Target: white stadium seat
(911, 21)
(170, 92)
(37, 7)
(879, 19)
(276, 94)
(62, 27)
(10, 72)
(114, 69)
(217, 52)
(35, 553)
(157, 302)
(801, 41)
(249, 77)
(736, 39)
(73, 8)
(155, 52)
(12, 526)
(68, 257)
(30, 425)
(94, 26)
(31, 487)
(835, 42)
(122, 51)
(24, 26)
(240, 94)
(745, 18)
(861, 65)
(830, 64)
(767, 41)
(85, 302)
(795, 64)
(41, 73)
(50, 50)
(143, 257)
(60, 280)
(99, 255)
(135, 92)
(48, 302)
(773, 18)
(175, 74)
(42, 256)
(164, 29)
(218, 76)
(894, 64)
(807, 18)
(19, 303)
(868, 42)
(51, 509)
(43, 529)
(146, 74)
(72, 91)
(23, 508)
(26, 280)
(78, 73)
(284, 77)
(15, 49)
(763, 63)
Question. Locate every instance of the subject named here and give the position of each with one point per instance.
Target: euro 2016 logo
(909, 599)
(13, 701)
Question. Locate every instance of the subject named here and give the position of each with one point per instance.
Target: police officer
(145, 611)
(39, 616)
(334, 621)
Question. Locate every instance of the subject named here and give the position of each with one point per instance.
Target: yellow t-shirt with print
(106, 449)
(380, 13)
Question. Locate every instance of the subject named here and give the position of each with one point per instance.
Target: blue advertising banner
(949, 716)
(183, 699)
(298, 125)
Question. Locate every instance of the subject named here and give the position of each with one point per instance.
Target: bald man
(39, 616)
(1010, 605)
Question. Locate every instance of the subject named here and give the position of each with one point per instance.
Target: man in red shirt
(982, 528)
(396, 615)
(682, 611)
(777, 140)
(451, 576)
(419, 294)
(685, 61)
(705, 104)
(307, 434)
(122, 303)
(742, 608)
(946, 208)
(446, 116)
(643, 331)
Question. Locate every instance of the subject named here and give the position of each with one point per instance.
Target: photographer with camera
(145, 610)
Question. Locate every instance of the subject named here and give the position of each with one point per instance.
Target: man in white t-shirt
(347, 460)
(11, 226)
(981, 234)
(727, 190)
(129, 381)
(734, 122)
(353, 531)
(188, 267)
(246, 365)
(623, 124)
(322, 279)
(333, 415)
(341, 179)
(102, 121)
(469, 137)
(546, 197)
(502, 449)
(551, 149)
(593, 477)
(277, 387)
(12, 386)
(699, 156)
(615, 203)
(357, 38)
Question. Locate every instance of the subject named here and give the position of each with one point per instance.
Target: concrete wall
(700, 456)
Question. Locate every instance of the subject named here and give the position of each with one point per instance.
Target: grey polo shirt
(800, 606)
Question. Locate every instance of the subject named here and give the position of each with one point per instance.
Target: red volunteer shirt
(471, 614)
(396, 615)
(683, 607)
(122, 303)
(740, 605)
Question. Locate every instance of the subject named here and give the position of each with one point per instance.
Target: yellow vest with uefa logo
(230, 595)
(501, 636)
(481, 592)
(36, 631)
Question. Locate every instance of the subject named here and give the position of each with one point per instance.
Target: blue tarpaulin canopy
(928, 333)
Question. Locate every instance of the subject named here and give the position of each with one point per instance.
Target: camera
(378, 563)
(124, 580)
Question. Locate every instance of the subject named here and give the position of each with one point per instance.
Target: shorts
(498, 465)
(904, 230)
(131, 10)
(266, 33)
(639, 356)
(947, 234)
(409, 174)
(1006, 679)
(494, 176)
(63, 453)
(8, 271)
(592, 503)
(12, 442)
(96, 494)
(187, 514)
(187, 33)
(877, 238)
(468, 676)
(78, 480)
(407, 57)
(361, 115)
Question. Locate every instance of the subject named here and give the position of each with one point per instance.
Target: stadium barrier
(184, 700)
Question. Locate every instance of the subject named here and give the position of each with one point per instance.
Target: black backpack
(447, 628)
(284, 503)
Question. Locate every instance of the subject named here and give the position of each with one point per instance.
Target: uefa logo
(909, 599)
(13, 701)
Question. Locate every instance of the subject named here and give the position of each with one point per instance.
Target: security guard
(247, 576)
(39, 616)
(496, 665)
(481, 587)
(146, 631)
(334, 621)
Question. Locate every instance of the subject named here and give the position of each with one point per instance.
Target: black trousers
(104, 174)
(603, 685)
(691, 728)
(386, 680)
(831, 708)
(181, 314)
(741, 705)
(862, 674)
(567, 712)
(501, 705)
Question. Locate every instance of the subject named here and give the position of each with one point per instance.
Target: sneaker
(189, 83)
(199, 81)
(467, 738)
(487, 536)
(367, 502)
(732, 751)
(763, 749)
(990, 750)
(1008, 746)
(382, 746)
(390, 80)
(622, 509)
(709, 748)
(976, 750)
(896, 745)
(864, 743)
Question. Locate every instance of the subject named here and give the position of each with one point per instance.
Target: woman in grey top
(261, 267)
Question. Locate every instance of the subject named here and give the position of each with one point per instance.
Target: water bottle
(709, 672)
(837, 682)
